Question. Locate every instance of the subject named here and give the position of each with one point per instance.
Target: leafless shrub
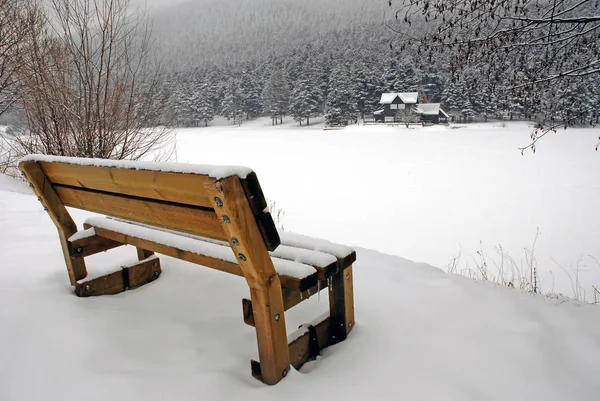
(90, 87)
(507, 35)
(452, 266)
(277, 214)
(7, 156)
(408, 115)
(13, 30)
(502, 269)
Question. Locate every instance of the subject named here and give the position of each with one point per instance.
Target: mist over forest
(198, 33)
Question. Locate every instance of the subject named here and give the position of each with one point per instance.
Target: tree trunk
(307, 120)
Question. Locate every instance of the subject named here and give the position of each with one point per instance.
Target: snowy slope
(421, 334)
(11, 185)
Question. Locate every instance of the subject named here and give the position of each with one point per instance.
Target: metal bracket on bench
(314, 350)
(125, 273)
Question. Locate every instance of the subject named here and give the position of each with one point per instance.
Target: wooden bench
(211, 216)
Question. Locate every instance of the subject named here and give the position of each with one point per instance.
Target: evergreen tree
(250, 90)
(306, 98)
(205, 108)
(276, 96)
(364, 94)
(339, 108)
(232, 103)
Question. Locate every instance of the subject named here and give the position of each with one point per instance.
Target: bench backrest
(142, 192)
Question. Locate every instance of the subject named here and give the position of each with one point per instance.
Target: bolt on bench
(208, 215)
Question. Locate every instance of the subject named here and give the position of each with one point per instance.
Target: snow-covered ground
(428, 194)
(421, 334)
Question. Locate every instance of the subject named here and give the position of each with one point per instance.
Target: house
(432, 113)
(394, 102)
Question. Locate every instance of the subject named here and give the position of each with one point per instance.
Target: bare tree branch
(90, 83)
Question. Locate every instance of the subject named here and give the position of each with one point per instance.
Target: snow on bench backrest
(172, 195)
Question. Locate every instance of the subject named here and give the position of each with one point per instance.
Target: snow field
(427, 194)
(421, 334)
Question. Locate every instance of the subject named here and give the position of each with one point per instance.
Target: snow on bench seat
(216, 172)
(306, 256)
(198, 245)
(315, 244)
(82, 234)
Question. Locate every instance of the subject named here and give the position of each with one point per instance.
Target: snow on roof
(387, 98)
(216, 172)
(378, 112)
(406, 97)
(430, 109)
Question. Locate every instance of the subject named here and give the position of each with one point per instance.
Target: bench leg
(239, 224)
(143, 254)
(75, 266)
(59, 215)
(341, 305)
(269, 320)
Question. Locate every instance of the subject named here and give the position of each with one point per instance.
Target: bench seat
(300, 264)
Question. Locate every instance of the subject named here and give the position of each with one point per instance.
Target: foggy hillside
(204, 32)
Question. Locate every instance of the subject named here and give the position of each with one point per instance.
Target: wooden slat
(91, 246)
(254, 193)
(217, 264)
(291, 283)
(109, 284)
(59, 215)
(195, 221)
(343, 261)
(309, 257)
(268, 230)
(183, 188)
